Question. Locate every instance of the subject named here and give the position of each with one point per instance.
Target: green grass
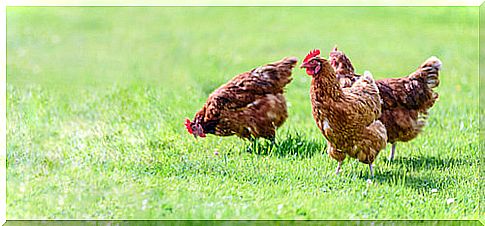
(97, 96)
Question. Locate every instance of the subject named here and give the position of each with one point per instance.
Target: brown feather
(249, 105)
(405, 101)
(348, 117)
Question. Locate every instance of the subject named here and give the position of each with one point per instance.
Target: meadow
(97, 97)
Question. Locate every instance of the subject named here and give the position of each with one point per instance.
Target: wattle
(309, 71)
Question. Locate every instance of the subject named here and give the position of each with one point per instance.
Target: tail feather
(278, 72)
(430, 71)
(368, 76)
(414, 91)
(341, 64)
(285, 66)
(289, 62)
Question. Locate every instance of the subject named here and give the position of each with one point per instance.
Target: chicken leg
(393, 150)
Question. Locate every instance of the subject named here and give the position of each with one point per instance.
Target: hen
(406, 100)
(251, 105)
(347, 117)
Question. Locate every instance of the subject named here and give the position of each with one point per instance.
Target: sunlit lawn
(96, 98)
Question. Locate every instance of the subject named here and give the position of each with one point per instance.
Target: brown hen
(347, 117)
(251, 105)
(406, 100)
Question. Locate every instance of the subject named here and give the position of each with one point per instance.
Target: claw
(393, 150)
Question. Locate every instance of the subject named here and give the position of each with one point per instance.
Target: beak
(304, 65)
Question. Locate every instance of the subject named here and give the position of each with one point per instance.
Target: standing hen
(406, 100)
(251, 105)
(347, 117)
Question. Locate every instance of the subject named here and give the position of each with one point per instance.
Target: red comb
(187, 125)
(312, 54)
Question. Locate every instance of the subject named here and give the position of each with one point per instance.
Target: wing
(414, 91)
(243, 90)
(365, 94)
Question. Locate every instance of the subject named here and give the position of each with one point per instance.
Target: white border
(243, 3)
(3, 38)
(3, 115)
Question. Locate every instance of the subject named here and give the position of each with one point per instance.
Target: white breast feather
(325, 124)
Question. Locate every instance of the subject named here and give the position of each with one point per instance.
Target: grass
(96, 98)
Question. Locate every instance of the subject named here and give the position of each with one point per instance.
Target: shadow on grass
(292, 145)
(408, 172)
(416, 182)
(430, 162)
